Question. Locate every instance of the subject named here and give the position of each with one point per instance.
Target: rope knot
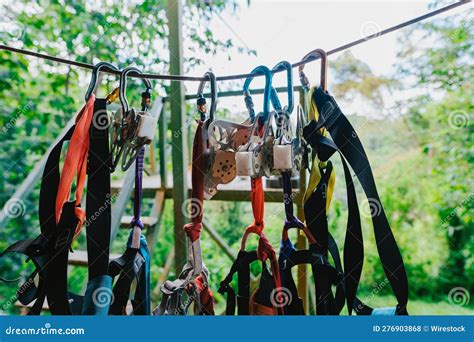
(136, 222)
(265, 250)
(193, 230)
(259, 227)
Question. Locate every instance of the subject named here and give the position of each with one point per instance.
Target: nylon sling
(193, 279)
(270, 285)
(193, 229)
(134, 264)
(295, 303)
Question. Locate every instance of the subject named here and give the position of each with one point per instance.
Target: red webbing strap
(193, 229)
(206, 296)
(75, 164)
(265, 251)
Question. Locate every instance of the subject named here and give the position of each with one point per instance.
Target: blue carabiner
(262, 70)
(289, 77)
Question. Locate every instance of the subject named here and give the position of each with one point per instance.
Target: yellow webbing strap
(315, 174)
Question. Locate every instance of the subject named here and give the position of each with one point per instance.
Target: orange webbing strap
(75, 164)
(258, 208)
(265, 250)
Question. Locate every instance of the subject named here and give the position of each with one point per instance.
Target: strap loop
(193, 230)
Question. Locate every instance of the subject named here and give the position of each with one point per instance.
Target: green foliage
(353, 77)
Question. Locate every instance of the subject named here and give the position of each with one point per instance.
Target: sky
(287, 30)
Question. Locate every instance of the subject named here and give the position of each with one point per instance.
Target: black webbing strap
(320, 268)
(98, 208)
(98, 294)
(231, 299)
(353, 246)
(35, 250)
(61, 234)
(294, 304)
(241, 266)
(128, 268)
(49, 244)
(346, 139)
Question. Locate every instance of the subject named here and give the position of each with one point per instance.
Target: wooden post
(178, 129)
(162, 129)
(301, 241)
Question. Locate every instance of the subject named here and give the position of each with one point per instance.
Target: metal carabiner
(94, 78)
(201, 101)
(262, 70)
(282, 115)
(289, 82)
(126, 124)
(123, 87)
(315, 54)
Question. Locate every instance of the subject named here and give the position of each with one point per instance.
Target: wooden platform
(237, 190)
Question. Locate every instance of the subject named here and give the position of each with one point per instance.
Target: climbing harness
(263, 300)
(327, 120)
(134, 264)
(62, 219)
(192, 285)
(131, 129)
